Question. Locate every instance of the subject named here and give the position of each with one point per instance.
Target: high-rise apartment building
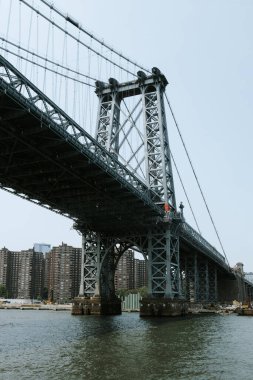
(25, 274)
(31, 274)
(5, 265)
(22, 273)
(130, 272)
(14, 274)
(140, 273)
(63, 268)
(38, 274)
(124, 274)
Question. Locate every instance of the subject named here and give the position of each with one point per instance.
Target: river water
(55, 345)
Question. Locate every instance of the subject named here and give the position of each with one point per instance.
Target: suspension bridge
(116, 186)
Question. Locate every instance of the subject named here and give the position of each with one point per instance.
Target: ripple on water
(56, 345)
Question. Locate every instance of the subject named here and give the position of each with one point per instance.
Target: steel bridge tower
(159, 244)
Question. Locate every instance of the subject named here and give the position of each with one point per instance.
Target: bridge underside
(38, 163)
(202, 276)
(47, 158)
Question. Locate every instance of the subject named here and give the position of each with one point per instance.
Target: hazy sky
(205, 50)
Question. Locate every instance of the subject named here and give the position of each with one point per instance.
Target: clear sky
(205, 50)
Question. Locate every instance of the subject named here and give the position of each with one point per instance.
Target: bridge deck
(41, 160)
(47, 158)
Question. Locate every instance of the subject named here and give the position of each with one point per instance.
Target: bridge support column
(97, 290)
(213, 291)
(164, 282)
(200, 280)
(230, 289)
(203, 281)
(110, 303)
(250, 293)
(191, 278)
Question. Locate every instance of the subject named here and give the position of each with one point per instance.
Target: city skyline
(55, 274)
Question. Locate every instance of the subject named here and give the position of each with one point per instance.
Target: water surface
(55, 345)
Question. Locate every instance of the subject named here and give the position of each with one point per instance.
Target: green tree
(122, 292)
(3, 291)
(143, 291)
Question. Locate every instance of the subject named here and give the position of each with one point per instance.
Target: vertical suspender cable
(196, 178)
(8, 24)
(29, 38)
(185, 193)
(77, 25)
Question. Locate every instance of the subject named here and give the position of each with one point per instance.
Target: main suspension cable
(196, 178)
(47, 59)
(45, 67)
(76, 24)
(76, 39)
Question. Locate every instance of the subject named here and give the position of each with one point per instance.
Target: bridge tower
(160, 244)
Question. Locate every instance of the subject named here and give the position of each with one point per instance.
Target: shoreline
(35, 307)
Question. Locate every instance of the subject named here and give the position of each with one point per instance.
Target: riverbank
(65, 307)
(194, 309)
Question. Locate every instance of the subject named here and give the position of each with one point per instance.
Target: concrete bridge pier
(162, 307)
(96, 306)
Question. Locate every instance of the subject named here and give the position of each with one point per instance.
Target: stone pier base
(95, 306)
(162, 307)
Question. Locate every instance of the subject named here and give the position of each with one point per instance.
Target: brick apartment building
(22, 273)
(26, 273)
(130, 272)
(5, 265)
(63, 269)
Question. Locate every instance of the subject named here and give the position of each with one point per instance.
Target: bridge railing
(192, 236)
(17, 86)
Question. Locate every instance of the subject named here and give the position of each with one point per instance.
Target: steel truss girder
(30, 98)
(197, 241)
